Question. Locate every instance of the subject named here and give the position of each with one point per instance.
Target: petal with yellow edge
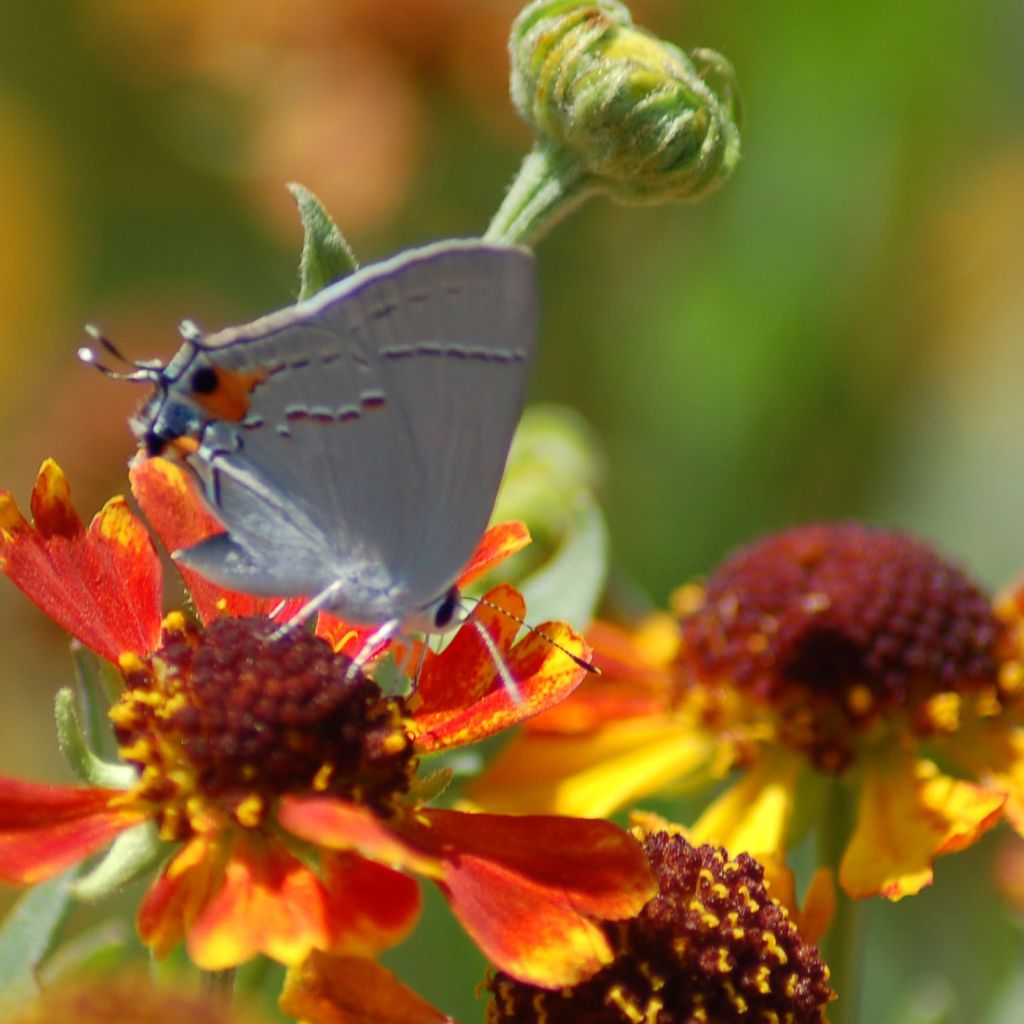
(338, 825)
(174, 901)
(910, 812)
(352, 990)
(103, 585)
(593, 774)
(267, 902)
(753, 815)
(530, 890)
(460, 697)
(180, 519)
(370, 907)
(499, 542)
(994, 753)
(45, 829)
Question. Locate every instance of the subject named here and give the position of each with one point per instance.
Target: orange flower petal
(909, 813)
(175, 899)
(352, 990)
(499, 542)
(528, 889)
(369, 906)
(45, 829)
(103, 585)
(461, 698)
(338, 825)
(267, 902)
(180, 519)
(593, 774)
(753, 815)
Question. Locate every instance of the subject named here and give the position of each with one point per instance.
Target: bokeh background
(838, 333)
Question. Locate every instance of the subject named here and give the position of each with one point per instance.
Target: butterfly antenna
(143, 370)
(507, 680)
(582, 662)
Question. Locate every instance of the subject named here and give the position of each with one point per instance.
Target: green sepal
(131, 854)
(74, 746)
(28, 934)
(97, 687)
(326, 256)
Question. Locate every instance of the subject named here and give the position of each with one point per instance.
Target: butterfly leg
(307, 611)
(381, 634)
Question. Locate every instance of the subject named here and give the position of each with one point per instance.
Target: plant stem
(843, 945)
(219, 985)
(549, 185)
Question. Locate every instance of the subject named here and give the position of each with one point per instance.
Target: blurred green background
(838, 333)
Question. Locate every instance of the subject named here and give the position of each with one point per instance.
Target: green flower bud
(645, 122)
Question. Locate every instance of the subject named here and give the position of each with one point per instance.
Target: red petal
(527, 889)
(460, 697)
(353, 990)
(45, 829)
(328, 822)
(103, 585)
(175, 899)
(498, 543)
(180, 519)
(267, 902)
(370, 907)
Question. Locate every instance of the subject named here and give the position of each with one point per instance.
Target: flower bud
(646, 122)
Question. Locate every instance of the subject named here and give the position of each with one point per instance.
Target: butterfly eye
(204, 381)
(446, 609)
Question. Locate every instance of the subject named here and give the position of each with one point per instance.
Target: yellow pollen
(706, 876)
(654, 1008)
(943, 711)
(719, 890)
(1011, 676)
(771, 1017)
(791, 985)
(761, 979)
(772, 948)
(140, 750)
(757, 643)
(738, 933)
(628, 1009)
(734, 997)
(129, 662)
(322, 779)
(395, 743)
(700, 1015)
(724, 964)
(174, 622)
(859, 699)
(687, 599)
(249, 812)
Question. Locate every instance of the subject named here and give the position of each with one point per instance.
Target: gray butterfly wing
(373, 446)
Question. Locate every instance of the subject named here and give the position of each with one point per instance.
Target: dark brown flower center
(233, 717)
(837, 626)
(711, 946)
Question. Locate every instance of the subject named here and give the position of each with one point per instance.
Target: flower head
(281, 781)
(646, 122)
(829, 663)
(712, 945)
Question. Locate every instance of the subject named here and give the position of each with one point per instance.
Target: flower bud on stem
(614, 110)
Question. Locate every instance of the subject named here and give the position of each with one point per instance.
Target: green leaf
(326, 256)
(132, 853)
(97, 687)
(27, 935)
(73, 742)
(569, 585)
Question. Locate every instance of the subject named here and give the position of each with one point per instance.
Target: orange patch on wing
(229, 400)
